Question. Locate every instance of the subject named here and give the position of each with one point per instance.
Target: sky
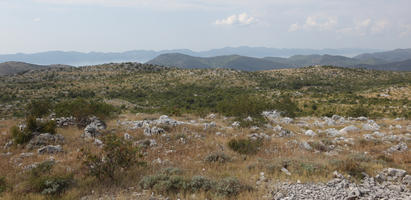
(29, 26)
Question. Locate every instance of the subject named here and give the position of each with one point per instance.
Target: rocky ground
(186, 141)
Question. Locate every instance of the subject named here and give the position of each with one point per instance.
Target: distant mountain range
(396, 60)
(94, 58)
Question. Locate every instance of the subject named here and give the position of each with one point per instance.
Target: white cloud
(294, 27)
(365, 27)
(319, 22)
(379, 26)
(405, 30)
(37, 19)
(241, 19)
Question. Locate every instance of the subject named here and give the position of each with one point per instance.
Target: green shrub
(32, 125)
(352, 166)
(82, 109)
(117, 154)
(244, 146)
(3, 185)
(243, 106)
(358, 111)
(41, 180)
(169, 180)
(200, 183)
(39, 108)
(229, 187)
(219, 157)
(20, 137)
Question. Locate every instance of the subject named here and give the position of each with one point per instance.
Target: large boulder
(391, 174)
(94, 128)
(45, 139)
(347, 129)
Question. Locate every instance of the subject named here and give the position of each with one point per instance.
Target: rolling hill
(10, 68)
(396, 55)
(233, 62)
(256, 64)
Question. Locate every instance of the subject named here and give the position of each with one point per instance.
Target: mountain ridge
(92, 58)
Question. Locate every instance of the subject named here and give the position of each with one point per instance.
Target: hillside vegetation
(315, 91)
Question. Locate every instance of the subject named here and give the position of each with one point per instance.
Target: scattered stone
(378, 134)
(310, 133)
(391, 174)
(371, 126)
(209, 125)
(285, 171)
(407, 180)
(401, 147)
(235, 124)
(153, 131)
(98, 142)
(45, 139)
(127, 136)
(8, 144)
(332, 132)
(368, 137)
(256, 136)
(278, 128)
(94, 128)
(248, 119)
(211, 116)
(286, 133)
(50, 149)
(65, 121)
(306, 146)
(347, 129)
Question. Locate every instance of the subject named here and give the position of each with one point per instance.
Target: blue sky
(119, 25)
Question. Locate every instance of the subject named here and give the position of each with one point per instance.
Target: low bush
(219, 157)
(117, 154)
(244, 146)
(3, 184)
(41, 180)
(171, 180)
(352, 166)
(32, 125)
(39, 108)
(229, 187)
(82, 109)
(358, 111)
(201, 183)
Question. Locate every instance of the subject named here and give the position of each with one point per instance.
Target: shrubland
(207, 156)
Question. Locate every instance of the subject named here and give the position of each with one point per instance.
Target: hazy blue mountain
(92, 58)
(396, 55)
(232, 62)
(254, 64)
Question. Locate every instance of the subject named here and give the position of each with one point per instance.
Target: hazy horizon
(32, 26)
